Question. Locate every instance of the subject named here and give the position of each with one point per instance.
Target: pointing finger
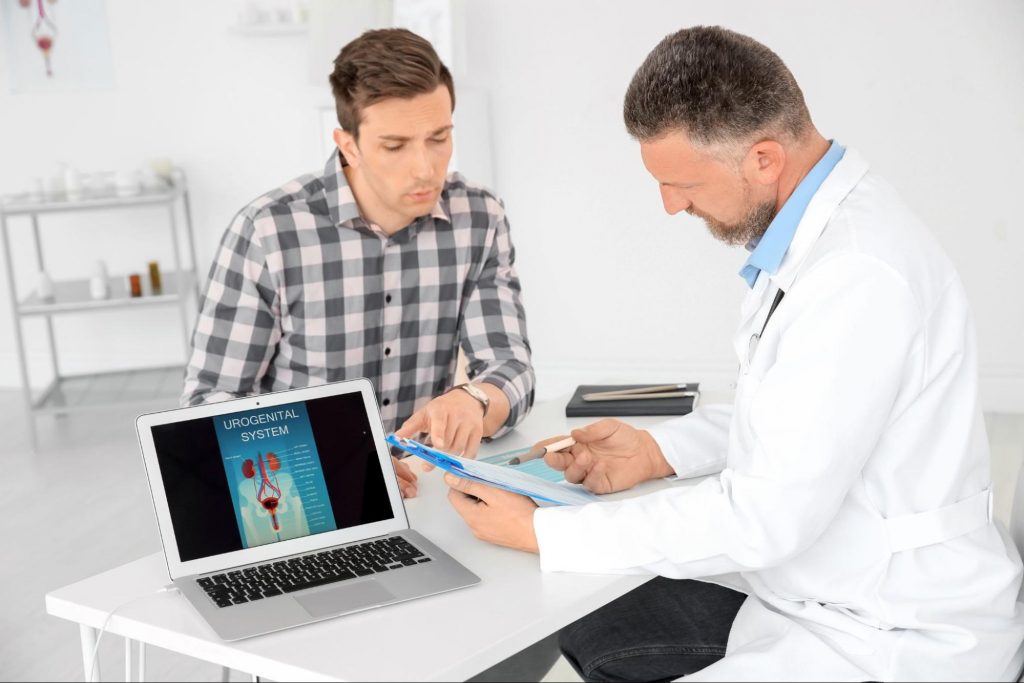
(413, 426)
(437, 431)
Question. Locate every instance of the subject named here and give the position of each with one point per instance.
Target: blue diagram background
(298, 457)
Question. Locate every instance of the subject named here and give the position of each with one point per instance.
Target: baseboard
(555, 379)
(1001, 386)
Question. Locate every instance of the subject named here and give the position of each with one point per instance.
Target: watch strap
(473, 391)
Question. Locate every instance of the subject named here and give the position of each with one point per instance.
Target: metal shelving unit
(77, 393)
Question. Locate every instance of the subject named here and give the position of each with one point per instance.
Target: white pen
(567, 442)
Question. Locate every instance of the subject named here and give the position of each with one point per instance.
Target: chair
(1017, 528)
(1017, 513)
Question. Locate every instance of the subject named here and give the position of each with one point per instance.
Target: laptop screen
(250, 478)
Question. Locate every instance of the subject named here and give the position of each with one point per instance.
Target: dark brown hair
(381, 64)
(717, 86)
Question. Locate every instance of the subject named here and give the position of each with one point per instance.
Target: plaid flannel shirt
(302, 292)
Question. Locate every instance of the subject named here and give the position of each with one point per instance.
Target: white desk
(445, 637)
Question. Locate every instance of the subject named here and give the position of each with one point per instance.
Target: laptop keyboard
(310, 571)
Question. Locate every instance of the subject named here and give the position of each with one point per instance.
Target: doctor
(846, 532)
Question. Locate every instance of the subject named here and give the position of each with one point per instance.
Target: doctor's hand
(406, 478)
(609, 456)
(493, 515)
(454, 421)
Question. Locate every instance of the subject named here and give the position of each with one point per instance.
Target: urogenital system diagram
(275, 477)
(268, 492)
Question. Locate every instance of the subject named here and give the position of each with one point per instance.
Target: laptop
(284, 509)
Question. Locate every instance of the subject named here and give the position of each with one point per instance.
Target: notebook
(577, 407)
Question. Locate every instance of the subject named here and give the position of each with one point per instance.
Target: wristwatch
(477, 393)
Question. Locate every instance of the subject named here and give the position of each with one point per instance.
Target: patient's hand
(406, 478)
(454, 422)
(609, 456)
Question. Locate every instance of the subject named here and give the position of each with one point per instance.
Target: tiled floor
(80, 506)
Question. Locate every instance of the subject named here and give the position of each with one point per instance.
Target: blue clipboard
(450, 464)
(431, 455)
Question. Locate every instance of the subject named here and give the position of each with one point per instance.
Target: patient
(381, 266)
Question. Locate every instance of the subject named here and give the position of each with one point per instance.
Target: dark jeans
(663, 630)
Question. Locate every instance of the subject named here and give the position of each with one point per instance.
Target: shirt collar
(767, 254)
(341, 202)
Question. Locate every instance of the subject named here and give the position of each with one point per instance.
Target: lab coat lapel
(839, 183)
(753, 303)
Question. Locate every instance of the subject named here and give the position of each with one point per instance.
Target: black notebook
(577, 407)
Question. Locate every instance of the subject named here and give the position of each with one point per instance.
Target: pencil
(540, 452)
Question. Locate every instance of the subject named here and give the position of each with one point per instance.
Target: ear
(765, 162)
(346, 142)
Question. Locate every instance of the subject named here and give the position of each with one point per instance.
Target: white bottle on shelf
(44, 286)
(99, 284)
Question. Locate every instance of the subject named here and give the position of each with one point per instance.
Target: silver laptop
(284, 509)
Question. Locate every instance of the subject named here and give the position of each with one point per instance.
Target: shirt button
(386, 402)
(387, 351)
(387, 299)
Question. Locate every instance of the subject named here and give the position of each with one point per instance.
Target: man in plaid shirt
(381, 267)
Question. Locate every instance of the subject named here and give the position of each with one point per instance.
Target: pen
(637, 397)
(540, 452)
(660, 391)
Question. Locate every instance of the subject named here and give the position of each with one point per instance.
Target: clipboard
(506, 478)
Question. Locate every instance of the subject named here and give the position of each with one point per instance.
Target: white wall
(929, 92)
(615, 289)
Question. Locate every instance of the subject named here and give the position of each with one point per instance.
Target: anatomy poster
(56, 45)
(274, 474)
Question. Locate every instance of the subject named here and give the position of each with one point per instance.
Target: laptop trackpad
(344, 598)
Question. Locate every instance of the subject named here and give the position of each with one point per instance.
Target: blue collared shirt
(768, 253)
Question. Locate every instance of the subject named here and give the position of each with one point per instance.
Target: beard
(750, 228)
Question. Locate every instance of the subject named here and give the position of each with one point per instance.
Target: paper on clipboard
(505, 478)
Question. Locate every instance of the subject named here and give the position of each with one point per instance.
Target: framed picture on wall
(56, 45)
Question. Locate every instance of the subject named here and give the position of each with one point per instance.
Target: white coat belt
(943, 524)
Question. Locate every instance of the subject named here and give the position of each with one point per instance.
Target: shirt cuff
(515, 391)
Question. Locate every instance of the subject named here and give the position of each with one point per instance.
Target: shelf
(72, 296)
(283, 28)
(149, 387)
(24, 203)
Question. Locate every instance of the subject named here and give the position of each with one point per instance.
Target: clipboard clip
(432, 455)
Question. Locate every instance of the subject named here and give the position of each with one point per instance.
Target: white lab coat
(852, 501)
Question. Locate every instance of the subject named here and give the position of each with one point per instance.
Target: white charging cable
(103, 629)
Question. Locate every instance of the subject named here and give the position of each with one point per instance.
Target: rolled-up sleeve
(494, 328)
(237, 329)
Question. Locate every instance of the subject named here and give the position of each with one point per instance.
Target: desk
(514, 606)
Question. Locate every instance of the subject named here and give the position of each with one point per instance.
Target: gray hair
(718, 87)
